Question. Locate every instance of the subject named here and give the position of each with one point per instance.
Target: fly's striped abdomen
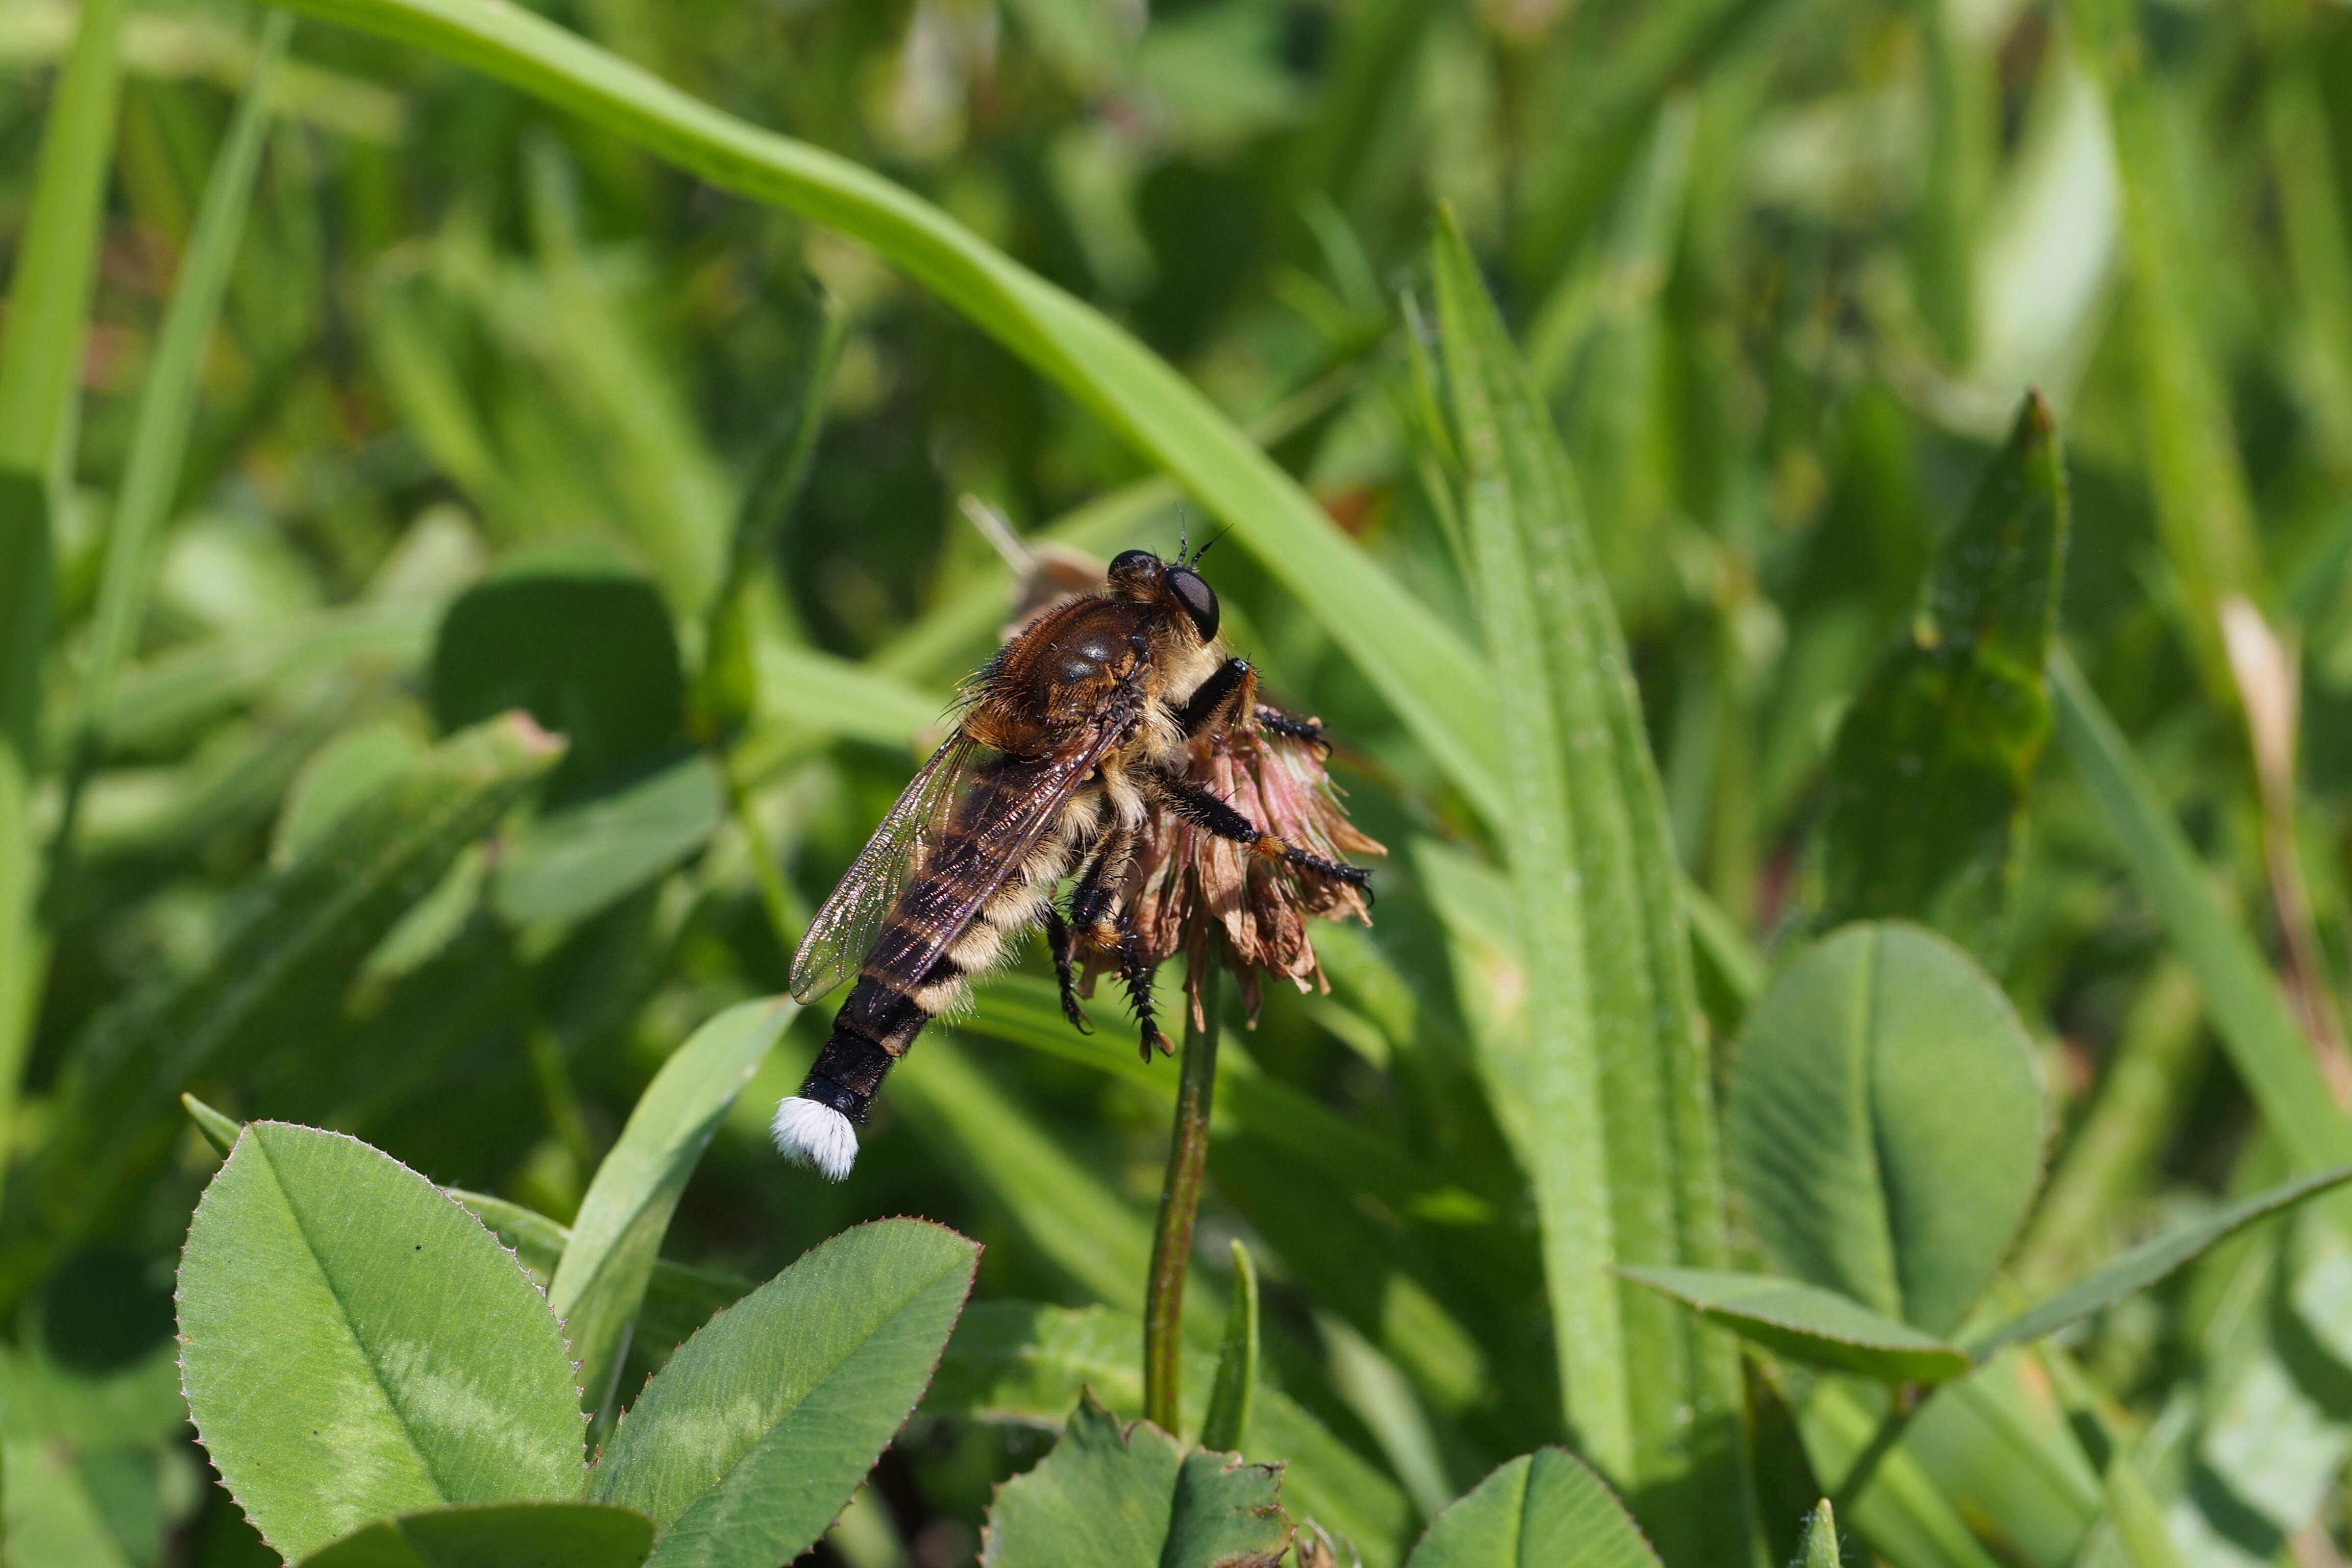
(893, 998)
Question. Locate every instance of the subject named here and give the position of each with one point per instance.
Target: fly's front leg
(1059, 941)
(1230, 688)
(1307, 729)
(1206, 811)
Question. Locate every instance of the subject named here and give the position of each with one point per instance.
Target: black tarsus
(1281, 723)
(1059, 941)
(1137, 976)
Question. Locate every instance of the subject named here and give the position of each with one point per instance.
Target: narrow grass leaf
(167, 398)
(500, 1535)
(219, 1131)
(1108, 1497)
(1859, 1169)
(1613, 1015)
(287, 952)
(354, 1344)
(1236, 1389)
(2204, 511)
(40, 380)
(1097, 1239)
(679, 1299)
(1902, 1512)
(1809, 1324)
(727, 687)
(2270, 1052)
(1544, 1510)
(616, 1237)
(2150, 1261)
(1428, 675)
(747, 1443)
(2140, 1517)
(1930, 769)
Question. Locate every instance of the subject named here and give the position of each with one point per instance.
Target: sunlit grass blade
(167, 405)
(1086, 1231)
(617, 1235)
(2271, 1054)
(2204, 511)
(1902, 1513)
(2150, 1261)
(1236, 1388)
(1427, 674)
(40, 368)
(1613, 1015)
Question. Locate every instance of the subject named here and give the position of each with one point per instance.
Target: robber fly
(1068, 744)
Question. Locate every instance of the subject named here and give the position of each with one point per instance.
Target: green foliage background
(1584, 384)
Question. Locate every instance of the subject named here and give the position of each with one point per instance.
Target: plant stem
(1179, 1201)
(1902, 1404)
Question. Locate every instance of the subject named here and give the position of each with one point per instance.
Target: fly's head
(1182, 600)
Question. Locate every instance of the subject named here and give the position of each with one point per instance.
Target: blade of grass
(601, 1283)
(2249, 1012)
(40, 374)
(1427, 674)
(1236, 1388)
(167, 404)
(1080, 1224)
(2204, 514)
(1613, 1012)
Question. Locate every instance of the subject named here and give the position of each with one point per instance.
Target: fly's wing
(838, 938)
(1022, 805)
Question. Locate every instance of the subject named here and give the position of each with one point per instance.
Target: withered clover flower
(1187, 885)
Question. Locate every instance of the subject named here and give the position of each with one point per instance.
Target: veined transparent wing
(1010, 809)
(839, 937)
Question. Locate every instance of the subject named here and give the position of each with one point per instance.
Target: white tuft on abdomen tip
(815, 1136)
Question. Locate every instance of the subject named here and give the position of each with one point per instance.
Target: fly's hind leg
(1062, 945)
(1136, 975)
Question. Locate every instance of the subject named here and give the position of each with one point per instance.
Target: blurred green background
(1782, 270)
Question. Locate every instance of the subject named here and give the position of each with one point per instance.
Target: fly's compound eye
(1200, 600)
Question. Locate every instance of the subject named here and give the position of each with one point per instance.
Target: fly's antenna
(1183, 535)
(1209, 545)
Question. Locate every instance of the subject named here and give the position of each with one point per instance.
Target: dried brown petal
(1186, 883)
